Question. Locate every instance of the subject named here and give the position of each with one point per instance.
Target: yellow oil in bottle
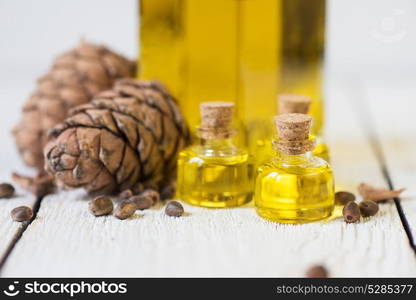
(215, 172)
(259, 46)
(294, 186)
(294, 189)
(161, 42)
(192, 47)
(302, 53)
(243, 51)
(321, 149)
(214, 176)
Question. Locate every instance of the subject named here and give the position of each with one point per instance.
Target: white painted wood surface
(394, 110)
(8, 227)
(65, 240)
(14, 92)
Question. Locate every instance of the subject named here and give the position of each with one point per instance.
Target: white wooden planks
(394, 112)
(8, 227)
(65, 240)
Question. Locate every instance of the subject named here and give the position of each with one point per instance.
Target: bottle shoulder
(201, 153)
(313, 165)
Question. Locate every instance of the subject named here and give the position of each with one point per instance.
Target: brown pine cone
(125, 137)
(75, 77)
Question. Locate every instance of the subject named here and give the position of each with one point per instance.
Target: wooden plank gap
(18, 235)
(363, 112)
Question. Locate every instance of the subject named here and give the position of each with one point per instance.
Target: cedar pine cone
(75, 77)
(126, 137)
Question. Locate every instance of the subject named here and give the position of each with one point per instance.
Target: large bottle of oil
(244, 51)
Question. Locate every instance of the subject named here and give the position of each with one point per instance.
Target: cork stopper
(293, 132)
(216, 118)
(293, 103)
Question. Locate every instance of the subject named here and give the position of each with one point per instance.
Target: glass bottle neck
(220, 138)
(294, 158)
(217, 143)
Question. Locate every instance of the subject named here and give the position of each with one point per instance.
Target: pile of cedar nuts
(372, 196)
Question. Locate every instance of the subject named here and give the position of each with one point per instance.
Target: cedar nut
(351, 212)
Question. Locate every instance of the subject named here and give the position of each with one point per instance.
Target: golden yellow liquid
(321, 150)
(214, 176)
(259, 46)
(302, 52)
(161, 42)
(294, 189)
(243, 51)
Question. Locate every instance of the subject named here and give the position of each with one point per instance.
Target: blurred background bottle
(243, 51)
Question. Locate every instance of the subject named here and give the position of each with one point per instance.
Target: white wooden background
(65, 240)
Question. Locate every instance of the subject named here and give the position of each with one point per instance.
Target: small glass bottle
(215, 172)
(294, 186)
(295, 103)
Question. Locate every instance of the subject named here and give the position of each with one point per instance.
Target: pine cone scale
(130, 164)
(126, 125)
(89, 140)
(110, 154)
(102, 184)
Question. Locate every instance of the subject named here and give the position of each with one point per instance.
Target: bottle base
(219, 202)
(297, 216)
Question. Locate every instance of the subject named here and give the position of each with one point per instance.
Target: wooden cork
(293, 127)
(293, 132)
(216, 114)
(293, 103)
(216, 118)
